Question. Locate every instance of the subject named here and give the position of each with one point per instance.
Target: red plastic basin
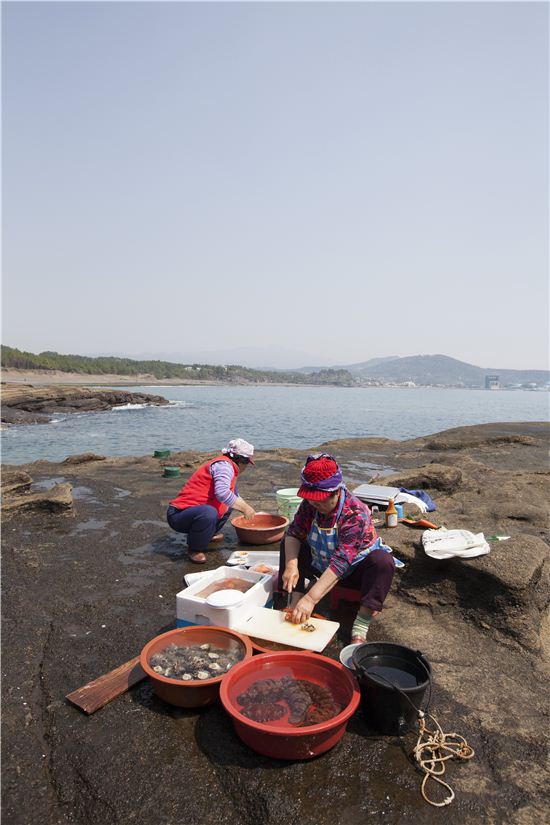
(195, 692)
(262, 529)
(279, 739)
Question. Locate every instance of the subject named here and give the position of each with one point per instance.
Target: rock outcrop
(17, 496)
(25, 404)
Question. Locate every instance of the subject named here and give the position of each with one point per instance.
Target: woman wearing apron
(332, 541)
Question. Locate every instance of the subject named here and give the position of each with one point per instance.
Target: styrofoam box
(191, 609)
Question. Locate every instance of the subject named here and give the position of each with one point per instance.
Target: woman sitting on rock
(207, 500)
(332, 541)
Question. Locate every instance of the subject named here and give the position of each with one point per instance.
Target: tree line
(13, 358)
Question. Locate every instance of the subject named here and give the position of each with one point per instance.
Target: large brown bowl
(262, 529)
(193, 693)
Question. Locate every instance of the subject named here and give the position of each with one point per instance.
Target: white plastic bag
(444, 544)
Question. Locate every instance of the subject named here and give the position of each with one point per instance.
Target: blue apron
(323, 542)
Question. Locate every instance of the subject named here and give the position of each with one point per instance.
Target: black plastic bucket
(393, 680)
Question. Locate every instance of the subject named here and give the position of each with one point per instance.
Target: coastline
(56, 377)
(44, 378)
(41, 378)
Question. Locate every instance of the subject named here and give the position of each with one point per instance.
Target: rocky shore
(27, 404)
(90, 575)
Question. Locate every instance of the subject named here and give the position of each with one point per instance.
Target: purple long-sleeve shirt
(223, 473)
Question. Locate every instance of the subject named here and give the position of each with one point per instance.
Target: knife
(288, 599)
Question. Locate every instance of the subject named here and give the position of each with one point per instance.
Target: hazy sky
(349, 180)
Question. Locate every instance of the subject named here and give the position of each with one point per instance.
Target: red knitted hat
(316, 471)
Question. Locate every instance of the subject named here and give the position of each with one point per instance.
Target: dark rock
(25, 404)
(83, 458)
(11, 415)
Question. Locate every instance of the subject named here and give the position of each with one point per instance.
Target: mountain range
(424, 370)
(441, 370)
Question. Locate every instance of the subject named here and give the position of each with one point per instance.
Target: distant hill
(162, 370)
(354, 369)
(440, 370)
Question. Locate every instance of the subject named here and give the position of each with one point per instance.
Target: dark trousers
(372, 576)
(200, 522)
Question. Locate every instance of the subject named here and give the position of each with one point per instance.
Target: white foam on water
(124, 407)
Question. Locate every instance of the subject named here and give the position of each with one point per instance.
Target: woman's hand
(303, 610)
(244, 507)
(249, 512)
(290, 575)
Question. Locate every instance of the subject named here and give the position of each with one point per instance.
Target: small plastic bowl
(346, 655)
(225, 598)
(238, 557)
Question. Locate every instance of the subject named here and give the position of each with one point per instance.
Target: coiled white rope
(432, 750)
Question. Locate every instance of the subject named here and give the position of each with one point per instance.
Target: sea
(204, 418)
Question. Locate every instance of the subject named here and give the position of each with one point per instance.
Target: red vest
(200, 488)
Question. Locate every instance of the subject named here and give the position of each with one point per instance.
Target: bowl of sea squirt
(187, 665)
(290, 705)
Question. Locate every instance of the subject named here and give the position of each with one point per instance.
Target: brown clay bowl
(193, 693)
(262, 529)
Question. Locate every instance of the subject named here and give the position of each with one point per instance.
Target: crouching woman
(331, 541)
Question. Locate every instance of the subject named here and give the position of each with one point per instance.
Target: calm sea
(205, 418)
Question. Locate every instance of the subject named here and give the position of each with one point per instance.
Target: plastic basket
(288, 502)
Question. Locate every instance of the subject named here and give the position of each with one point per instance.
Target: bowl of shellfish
(290, 705)
(187, 665)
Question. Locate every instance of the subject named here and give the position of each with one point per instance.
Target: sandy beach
(46, 377)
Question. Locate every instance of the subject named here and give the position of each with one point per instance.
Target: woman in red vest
(207, 500)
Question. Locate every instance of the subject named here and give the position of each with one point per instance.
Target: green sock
(361, 626)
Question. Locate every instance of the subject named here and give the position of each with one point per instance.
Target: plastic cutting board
(271, 625)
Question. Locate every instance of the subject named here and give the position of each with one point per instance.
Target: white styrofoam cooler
(193, 610)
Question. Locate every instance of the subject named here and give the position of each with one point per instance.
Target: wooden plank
(101, 691)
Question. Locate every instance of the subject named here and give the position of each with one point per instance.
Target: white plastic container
(192, 609)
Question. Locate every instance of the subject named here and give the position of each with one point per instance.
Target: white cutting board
(272, 626)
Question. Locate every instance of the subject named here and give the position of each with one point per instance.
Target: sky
(340, 180)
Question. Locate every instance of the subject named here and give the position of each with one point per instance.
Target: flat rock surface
(85, 590)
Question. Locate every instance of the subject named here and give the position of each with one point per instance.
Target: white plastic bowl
(346, 655)
(225, 598)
